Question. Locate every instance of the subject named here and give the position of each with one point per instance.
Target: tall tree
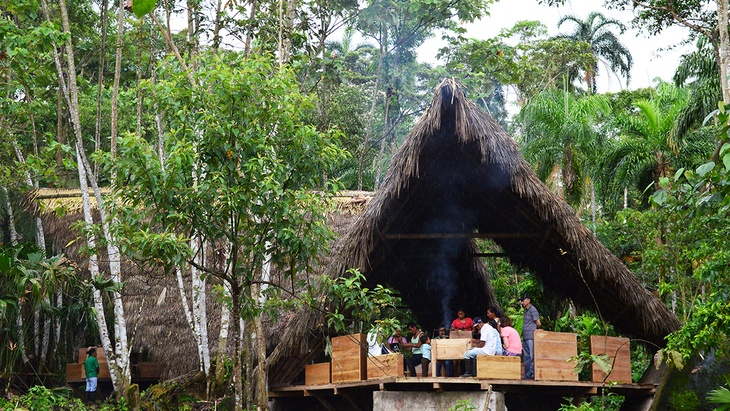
(522, 57)
(559, 133)
(649, 147)
(697, 15)
(256, 163)
(605, 45)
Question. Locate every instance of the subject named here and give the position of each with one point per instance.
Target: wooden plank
(498, 367)
(75, 372)
(317, 374)
(423, 236)
(104, 370)
(99, 354)
(384, 366)
(348, 358)
(553, 350)
(450, 349)
(456, 334)
(618, 350)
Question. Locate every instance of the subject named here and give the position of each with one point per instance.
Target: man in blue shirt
(531, 322)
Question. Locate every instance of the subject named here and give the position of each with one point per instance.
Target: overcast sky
(650, 60)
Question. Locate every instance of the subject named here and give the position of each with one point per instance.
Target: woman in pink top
(462, 322)
(510, 338)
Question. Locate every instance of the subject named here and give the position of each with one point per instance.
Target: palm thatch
(459, 177)
(156, 323)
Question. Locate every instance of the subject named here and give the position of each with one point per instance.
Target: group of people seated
(493, 336)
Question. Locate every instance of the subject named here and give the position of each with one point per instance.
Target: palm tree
(605, 45)
(698, 71)
(649, 145)
(560, 134)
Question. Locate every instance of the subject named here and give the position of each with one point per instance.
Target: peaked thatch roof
(459, 177)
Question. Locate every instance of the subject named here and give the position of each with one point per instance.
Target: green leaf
(660, 197)
(143, 7)
(705, 168)
(678, 174)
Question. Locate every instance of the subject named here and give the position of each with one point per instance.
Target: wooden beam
(477, 255)
(430, 236)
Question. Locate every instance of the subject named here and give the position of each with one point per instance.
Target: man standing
(530, 322)
(485, 345)
(91, 366)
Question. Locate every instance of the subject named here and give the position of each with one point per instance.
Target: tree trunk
(117, 79)
(11, 218)
(724, 63)
(94, 268)
(100, 75)
(369, 129)
(249, 34)
(383, 142)
(236, 330)
(119, 357)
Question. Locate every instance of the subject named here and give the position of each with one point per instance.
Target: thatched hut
(459, 177)
(156, 323)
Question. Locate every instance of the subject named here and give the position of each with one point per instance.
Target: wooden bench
(553, 351)
(619, 353)
(348, 358)
(77, 373)
(317, 374)
(385, 366)
(498, 367)
(442, 350)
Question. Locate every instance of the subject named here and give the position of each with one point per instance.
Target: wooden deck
(569, 388)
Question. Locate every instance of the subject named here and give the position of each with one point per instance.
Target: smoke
(442, 271)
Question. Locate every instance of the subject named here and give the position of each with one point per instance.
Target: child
(426, 351)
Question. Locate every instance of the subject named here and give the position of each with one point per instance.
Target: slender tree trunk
(217, 25)
(381, 152)
(199, 305)
(140, 97)
(11, 217)
(593, 205)
(249, 35)
(722, 25)
(369, 129)
(247, 354)
(223, 338)
(94, 269)
(100, 76)
(117, 79)
(236, 330)
(119, 357)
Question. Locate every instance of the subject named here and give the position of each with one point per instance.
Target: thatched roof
(156, 324)
(459, 177)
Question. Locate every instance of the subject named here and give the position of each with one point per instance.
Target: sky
(650, 54)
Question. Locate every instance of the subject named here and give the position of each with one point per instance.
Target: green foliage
(463, 405)
(240, 159)
(143, 7)
(684, 400)
(358, 308)
(721, 396)
(40, 398)
(607, 402)
(534, 64)
(560, 133)
(699, 202)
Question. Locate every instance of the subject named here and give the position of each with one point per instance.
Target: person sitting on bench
(487, 344)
